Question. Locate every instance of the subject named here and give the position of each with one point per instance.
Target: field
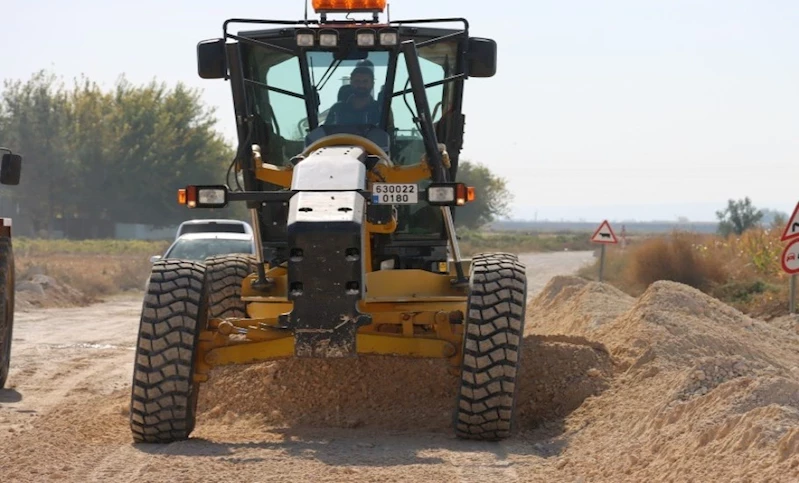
(62, 273)
(743, 271)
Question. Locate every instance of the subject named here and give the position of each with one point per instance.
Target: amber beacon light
(349, 5)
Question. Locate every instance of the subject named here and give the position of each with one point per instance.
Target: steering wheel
(348, 138)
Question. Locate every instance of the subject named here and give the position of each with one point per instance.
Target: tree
(95, 158)
(33, 120)
(774, 218)
(738, 217)
(492, 196)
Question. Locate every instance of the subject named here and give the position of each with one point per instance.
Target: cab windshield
(354, 95)
(358, 95)
(350, 91)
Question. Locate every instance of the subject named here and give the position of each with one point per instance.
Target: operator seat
(344, 93)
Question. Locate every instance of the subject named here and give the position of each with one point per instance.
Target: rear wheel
(6, 306)
(493, 334)
(225, 275)
(164, 396)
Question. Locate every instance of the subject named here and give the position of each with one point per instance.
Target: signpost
(790, 255)
(604, 236)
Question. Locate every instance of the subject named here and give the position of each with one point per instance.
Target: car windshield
(202, 248)
(213, 227)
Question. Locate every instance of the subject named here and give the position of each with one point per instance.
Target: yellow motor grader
(349, 136)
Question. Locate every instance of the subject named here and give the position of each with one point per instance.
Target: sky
(600, 109)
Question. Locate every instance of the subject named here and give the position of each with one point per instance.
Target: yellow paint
(270, 173)
(374, 344)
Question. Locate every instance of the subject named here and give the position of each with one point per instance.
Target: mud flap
(325, 272)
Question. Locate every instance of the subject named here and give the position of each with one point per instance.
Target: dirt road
(64, 416)
(669, 386)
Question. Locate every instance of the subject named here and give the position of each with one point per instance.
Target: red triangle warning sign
(792, 228)
(604, 234)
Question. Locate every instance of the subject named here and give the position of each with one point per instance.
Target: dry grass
(96, 268)
(677, 259)
(94, 275)
(99, 268)
(743, 271)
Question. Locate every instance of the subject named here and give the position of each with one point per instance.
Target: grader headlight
(366, 38)
(328, 38)
(305, 38)
(388, 37)
(211, 196)
(449, 194)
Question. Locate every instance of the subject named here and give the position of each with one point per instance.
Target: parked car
(213, 226)
(199, 246)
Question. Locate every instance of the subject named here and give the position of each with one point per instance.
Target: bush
(677, 259)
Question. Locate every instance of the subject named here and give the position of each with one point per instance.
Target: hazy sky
(613, 109)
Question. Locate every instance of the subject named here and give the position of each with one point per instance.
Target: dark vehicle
(10, 171)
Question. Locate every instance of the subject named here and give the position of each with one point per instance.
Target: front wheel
(164, 395)
(492, 347)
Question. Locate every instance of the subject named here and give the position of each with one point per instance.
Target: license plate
(395, 194)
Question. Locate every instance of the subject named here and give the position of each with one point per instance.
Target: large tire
(6, 306)
(164, 396)
(225, 275)
(493, 334)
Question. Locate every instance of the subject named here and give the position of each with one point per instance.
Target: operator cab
(300, 81)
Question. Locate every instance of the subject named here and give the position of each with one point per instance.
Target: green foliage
(738, 217)
(118, 155)
(742, 291)
(492, 196)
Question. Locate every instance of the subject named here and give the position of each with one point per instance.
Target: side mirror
(211, 59)
(10, 169)
(155, 258)
(482, 57)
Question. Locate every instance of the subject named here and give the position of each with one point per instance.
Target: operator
(360, 107)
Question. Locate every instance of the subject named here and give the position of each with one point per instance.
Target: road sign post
(601, 261)
(604, 236)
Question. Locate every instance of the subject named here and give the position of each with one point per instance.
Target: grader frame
(333, 275)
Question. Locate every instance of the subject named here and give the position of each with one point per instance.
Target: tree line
(96, 155)
(118, 156)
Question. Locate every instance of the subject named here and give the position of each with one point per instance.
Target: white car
(213, 226)
(199, 246)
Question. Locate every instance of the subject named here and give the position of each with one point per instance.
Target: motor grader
(349, 135)
(10, 171)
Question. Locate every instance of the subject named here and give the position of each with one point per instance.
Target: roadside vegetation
(474, 241)
(100, 268)
(95, 268)
(740, 265)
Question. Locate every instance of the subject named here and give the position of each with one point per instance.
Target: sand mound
(670, 386)
(702, 391)
(397, 393)
(572, 305)
(41, 291)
